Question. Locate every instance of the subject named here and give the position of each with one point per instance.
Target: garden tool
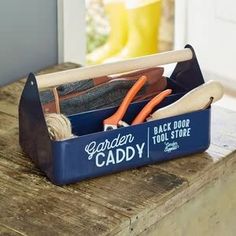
(117, 18)
(115, 121)
(197, 99)
(143, 28)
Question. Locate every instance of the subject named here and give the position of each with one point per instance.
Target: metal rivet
(32, 83)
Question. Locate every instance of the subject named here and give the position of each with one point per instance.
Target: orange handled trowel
(115, 121)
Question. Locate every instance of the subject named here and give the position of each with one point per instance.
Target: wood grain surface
(127, 203)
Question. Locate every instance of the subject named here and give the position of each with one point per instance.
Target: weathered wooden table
(195, 195)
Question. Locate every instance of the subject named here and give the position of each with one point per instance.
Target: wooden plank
(224, 128)
(7, 231)
(11, 94)
(7, 122)
(100, 191)
(211, 212)
(8, 108)
(32, 216)
(9, 139)
(147, 182)
(36, 205)
(125, 199)
(124, 190)
(29, 184)
(180, 198)
(8, 132)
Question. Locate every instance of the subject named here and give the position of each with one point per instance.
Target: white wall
(211, 29)
(35, 34)
(28, 37)
(71, 31)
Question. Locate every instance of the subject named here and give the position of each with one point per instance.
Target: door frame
(180, 28)
(71, 21)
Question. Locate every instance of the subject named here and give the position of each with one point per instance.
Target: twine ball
(59, 126)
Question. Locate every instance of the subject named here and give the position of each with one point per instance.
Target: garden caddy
(95, 152)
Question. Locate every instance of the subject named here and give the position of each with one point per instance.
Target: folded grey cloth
(101, 92)
(108, 95)
(80, 86)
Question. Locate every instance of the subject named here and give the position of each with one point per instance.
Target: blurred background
(114, 22)
(38, 34)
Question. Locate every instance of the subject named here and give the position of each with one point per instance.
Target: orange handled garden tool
(115, 121)
(145, 112)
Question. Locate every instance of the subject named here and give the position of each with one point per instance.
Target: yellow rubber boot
(144, 18)
(117, 18)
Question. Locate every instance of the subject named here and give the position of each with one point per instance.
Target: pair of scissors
(115, 121)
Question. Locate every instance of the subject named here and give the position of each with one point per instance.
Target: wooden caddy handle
(88, 72)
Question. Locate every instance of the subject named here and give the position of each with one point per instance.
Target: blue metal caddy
(95, 152)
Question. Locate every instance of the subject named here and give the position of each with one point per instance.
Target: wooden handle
(194, 100)
(83, 73)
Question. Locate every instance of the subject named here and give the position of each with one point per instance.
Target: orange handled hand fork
(145, 112)
(113, 121)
